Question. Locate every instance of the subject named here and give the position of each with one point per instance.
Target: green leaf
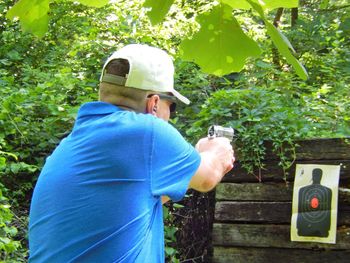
(33, 15)
(9, 154)
(267, 4)
(159, 9)
(237, 4)
(13, 55)
(170, 251)
(220, 46)
(281, 42)
(324, 4)
(272, 4)
(278, 39)
(93, 3)
(2, 162)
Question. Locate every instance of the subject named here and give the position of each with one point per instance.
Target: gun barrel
(219, 131)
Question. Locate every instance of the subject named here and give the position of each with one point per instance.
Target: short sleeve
(173, 162)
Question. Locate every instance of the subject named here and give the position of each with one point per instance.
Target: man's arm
(216, 160)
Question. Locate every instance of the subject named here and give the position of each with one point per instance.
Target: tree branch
(294, 16)
(278, 16)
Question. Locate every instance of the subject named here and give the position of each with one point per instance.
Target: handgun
(219, 131)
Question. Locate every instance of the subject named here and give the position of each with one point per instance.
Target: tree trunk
(276, 22)
(294, 16)
(278, 16)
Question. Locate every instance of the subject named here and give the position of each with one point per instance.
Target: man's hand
(221, 148)
(217, 160)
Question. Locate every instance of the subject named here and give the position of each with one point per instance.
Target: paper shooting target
(315, 203)
(314, 216)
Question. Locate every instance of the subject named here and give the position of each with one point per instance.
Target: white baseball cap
(150, 69)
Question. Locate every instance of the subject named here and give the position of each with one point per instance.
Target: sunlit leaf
(265, 4)
(2, 162)
(237, 4)
(92, 3)
(33, 15)
(272, 4)
(324, 4)
(8, 154)
(220, 46)
(159, 9)
(281, 42)
(278, 39)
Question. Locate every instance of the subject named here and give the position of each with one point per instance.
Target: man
(99, 196)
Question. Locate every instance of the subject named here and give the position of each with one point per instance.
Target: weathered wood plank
(274, 255)
(265, 212)
(323, 149)
(278, 236)
(265, 192)
(271, 212)
(254, 192)
(273, 172)
(316, 149)
(344, 195)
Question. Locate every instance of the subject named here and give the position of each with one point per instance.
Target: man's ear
(152, 105)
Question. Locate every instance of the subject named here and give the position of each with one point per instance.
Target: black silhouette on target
(314, 208)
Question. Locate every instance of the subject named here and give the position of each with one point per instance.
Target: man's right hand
(217, 159)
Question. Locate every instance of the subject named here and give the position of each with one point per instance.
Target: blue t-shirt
(98, 197)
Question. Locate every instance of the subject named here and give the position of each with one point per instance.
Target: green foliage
(220, 46)
(7, 232)
(218, 31)
(170, 229)
(94, 3)
(265, 104)
(268, 4)
(37, 19)
(281, 42)
(44, 81)
(254, 118)
(158, 9)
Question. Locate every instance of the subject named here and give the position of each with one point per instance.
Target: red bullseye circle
(314, 203)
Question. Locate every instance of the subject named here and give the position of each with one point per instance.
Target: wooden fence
(252, 219)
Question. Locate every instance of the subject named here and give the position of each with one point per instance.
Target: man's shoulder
(150, 122)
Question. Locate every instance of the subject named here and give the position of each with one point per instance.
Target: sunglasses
(170, 98)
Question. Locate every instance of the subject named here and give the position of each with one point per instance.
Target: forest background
(43, 81)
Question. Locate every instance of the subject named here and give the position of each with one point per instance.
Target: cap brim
(180, 97)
